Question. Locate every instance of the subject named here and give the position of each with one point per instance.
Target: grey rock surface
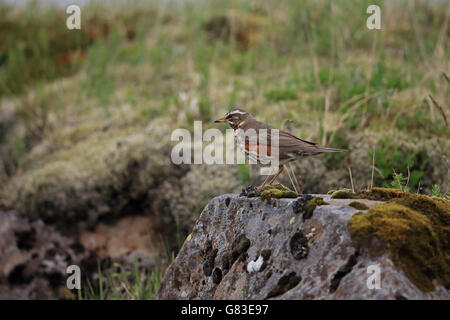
(245, 248)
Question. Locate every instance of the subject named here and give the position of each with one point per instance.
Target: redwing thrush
(290, 148)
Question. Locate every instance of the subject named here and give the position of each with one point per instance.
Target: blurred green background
(86, 115)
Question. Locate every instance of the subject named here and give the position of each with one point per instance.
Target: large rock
(245, 248)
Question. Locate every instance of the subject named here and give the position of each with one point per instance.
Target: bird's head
(235, 118)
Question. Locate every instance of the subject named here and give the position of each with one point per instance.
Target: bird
(290, 147)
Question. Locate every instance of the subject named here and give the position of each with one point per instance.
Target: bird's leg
(264, 183)
(290, 178)
(276, 176)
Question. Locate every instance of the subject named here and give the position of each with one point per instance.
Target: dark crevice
(299, 245)
(55, 279)
(217, 275)
(286, 283)
(209, 254)
(343, 271)
(26, 239)
(18, 275)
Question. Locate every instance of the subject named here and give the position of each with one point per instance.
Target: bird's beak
(221, 120)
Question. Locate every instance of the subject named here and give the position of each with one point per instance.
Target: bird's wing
(285, 138)
(290, 145)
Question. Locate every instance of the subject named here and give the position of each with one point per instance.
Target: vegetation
(358, 78)
(277, 191)
(119, 283)
(437, 193)
(358, 205)
(311, 206)
(86, 115)
(414, 229)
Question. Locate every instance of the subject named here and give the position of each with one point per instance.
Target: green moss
(358, 205)
(380, 194)
(311, 206)
(384, 194)
(106, 172)
(278, 191)
(416, 231)
(342, 194)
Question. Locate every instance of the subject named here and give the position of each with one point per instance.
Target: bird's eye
(228, 116)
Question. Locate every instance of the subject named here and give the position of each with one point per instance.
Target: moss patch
(379, 194)
(358, 205)
(106, 173)
(342, 194)
(416, 231)
(277, 192)
(311, 206)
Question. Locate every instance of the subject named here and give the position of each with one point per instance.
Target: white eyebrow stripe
(236, 111)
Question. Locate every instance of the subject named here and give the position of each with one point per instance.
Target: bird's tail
(331, 150)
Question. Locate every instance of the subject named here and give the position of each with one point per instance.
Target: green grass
(299, 60)
(277, 61)
(117, 283)
(244, 173)
(19, 149)
(279, 95)
(290, 56)
(53, 51)
(399, 182)
(390, 158)
(437, 193)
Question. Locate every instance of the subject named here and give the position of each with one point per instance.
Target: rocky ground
(34, 256)
(246, 248)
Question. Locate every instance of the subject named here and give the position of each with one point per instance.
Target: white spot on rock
(255, 266)
(250, 266)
